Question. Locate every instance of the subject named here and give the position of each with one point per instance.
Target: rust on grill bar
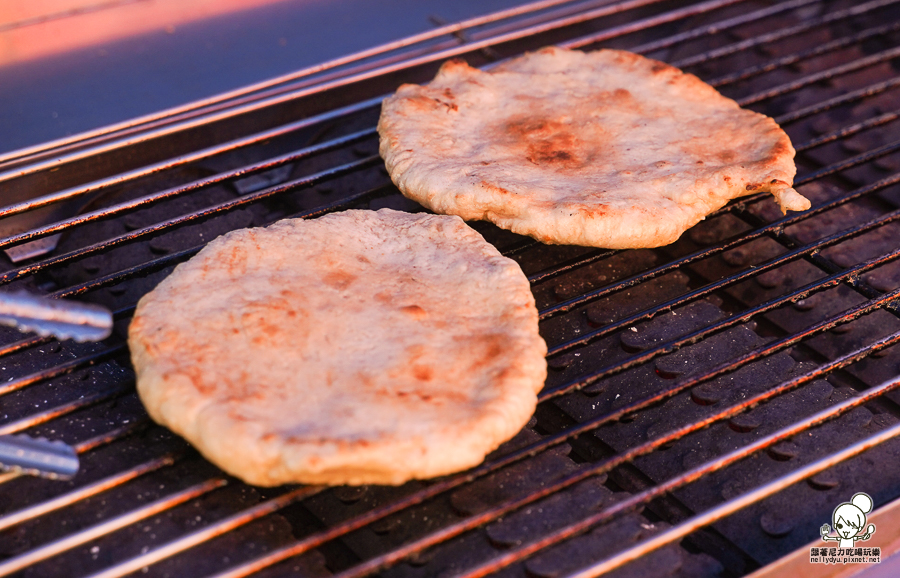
(708, 404)
(43, 508)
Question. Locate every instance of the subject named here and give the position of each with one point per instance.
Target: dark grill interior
(708, 403)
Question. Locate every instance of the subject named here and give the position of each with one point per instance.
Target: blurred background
(67, 66)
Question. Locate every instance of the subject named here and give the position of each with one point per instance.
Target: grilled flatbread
(606, 148)
(360, 347)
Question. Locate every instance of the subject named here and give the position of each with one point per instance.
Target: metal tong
(38, 457)
(63, 319)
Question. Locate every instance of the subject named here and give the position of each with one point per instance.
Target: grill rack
(761, 228)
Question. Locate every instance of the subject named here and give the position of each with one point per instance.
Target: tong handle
(38, 456)
(64, 319)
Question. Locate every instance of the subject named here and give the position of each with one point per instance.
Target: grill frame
(742, 209)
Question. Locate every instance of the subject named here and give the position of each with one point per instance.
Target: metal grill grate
(708, 403)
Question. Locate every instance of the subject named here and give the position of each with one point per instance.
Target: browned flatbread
(606, 148)
(361, 347)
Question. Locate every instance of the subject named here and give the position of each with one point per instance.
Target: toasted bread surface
(606, 148)
(360, 347)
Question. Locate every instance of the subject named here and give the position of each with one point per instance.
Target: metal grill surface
(708, 403)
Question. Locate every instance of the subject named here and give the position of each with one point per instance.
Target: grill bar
(570, 266)
(838, 100)
(257, 138)
(7, 567)
(175, 258)
(453, 530)
(58, 370)
(824, 139)
(743, 275)
(84, 492)
(832, 46)
(195, 185)
(733, 506)
(138, 233)
(828, 74)
(768, 349)
(21, 207)
(23, 344)
(865, 157)
(718, 27)
(884, 343)
(62, 409)
(834, 276)
(650, 22)
(860, 158)
(171, 163)
(714, 465)
(744, 316)
(22, 382)
(210, 532)
(849, 130)
(379, 71)
(239, 143)
(129, 273)
(116, 434)
(92, 444)
(818, 372)
(54, 228)
(786, 386)
(229, 98)
(42, 231)
(770, 37)
(769, 229)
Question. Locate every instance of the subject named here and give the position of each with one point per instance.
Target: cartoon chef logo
(849, 521)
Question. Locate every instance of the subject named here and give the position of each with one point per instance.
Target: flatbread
(360, 347)
(606, 148)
